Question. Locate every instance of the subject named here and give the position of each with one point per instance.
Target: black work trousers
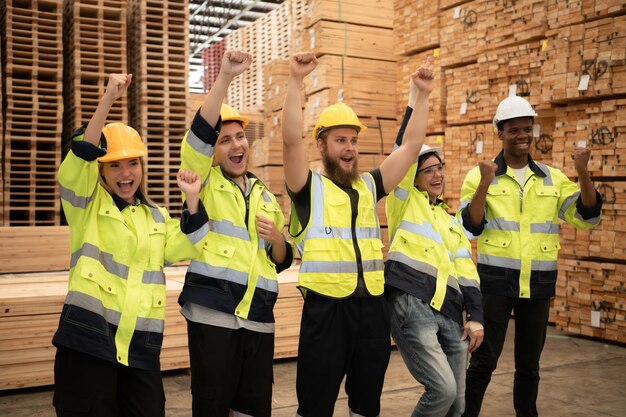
(531, 319)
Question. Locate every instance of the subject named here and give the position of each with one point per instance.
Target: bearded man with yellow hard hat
(345, 319)
(231, 288)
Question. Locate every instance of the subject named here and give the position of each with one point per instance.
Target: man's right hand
(117, 85)
(487, 171)
(235, 62)
(302, 64)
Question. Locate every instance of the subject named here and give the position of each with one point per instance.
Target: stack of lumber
(566, 13)
(94, 39)
(211, 62)
(30, 307)
(158, 52)
(1, 135)
(32, 110)
(416, 26)
(591, 299)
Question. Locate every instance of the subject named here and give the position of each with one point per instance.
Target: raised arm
(295, 159)
(587, 190)
(233, 64)
(116, 87)
(395, 166)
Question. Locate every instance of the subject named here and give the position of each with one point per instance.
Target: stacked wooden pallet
(211, 61)
(94, 39)
(30, 307)
(158, 60)
(32, 111)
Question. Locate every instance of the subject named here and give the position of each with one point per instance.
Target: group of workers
(429, 295)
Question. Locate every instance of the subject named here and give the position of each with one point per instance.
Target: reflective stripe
(228, 228)
(423, 267)
(266, 197)
(341, 266)
(198, 145)
(547, 180)
(464, 204)
(94, 305)
(537, 265)
(466, 282)
(593, 220)
(153, 277)
(343, 232)
(501, 224)
(106, 259)
(547, 227)
(157, 215)
(450, 256)
(463, 253)
(199, 234)
(401, 193)
(499, 261)
(317, 204)
(453, 284)
(71, 197)
(423, 229)
(263, 245)
(231, 275)
(567, 204)
(149, 325)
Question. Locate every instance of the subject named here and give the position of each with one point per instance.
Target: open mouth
(236, 159)
(125, 186)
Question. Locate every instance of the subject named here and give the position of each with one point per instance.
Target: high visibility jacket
(519, 245)
(429, 254)
(234, 273)
(115, 306)
(333, 251)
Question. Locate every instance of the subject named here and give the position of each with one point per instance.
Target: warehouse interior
(567, 58)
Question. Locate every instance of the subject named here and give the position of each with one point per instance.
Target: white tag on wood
(311, 38)
(479, 147)
(581, 144)
(595, 318)
(584, 82)
(457, 12)
(463, 107)
(536, 131)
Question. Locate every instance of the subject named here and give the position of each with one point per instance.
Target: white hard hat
(429, 149)
(512, 108)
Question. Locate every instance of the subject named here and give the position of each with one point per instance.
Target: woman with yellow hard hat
(111, 327)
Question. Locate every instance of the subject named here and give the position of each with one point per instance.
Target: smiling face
(429, 177)
(231, 150)
(517, 136)
(123, 177)
(340, 154)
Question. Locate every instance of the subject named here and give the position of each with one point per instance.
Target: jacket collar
(502, 167)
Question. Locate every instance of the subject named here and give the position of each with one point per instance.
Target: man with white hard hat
(513, 204)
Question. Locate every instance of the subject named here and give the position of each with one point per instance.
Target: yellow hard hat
(337, 115)
(229, 114)
(123, 142)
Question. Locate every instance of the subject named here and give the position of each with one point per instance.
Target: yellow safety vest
(327, 243)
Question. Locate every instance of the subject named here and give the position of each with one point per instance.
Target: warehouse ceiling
(211, 20)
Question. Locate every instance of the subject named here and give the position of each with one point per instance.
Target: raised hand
(487, 171)
(424, 76)
(188, 182)
(117, 85)
(301, 64)
(235, 62)
(581, 159)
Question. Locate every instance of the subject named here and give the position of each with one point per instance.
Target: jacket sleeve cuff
(589, 212)
(86, 150)
(288, 259)
(476, 230)
(190, 223)
(204, 131)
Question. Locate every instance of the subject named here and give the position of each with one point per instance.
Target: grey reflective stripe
(567, 204)
(157, 215)
(342, 232)
(401, 193)
(501, 224)
(231, 275)
(317, 202)
(462, 253)
(263, 244)
(71, 197)
(547, 227)
(593, 220)
(339, 267)
(153, 277)
(106, 259)
(450, 256)
(266, 197)
(499, 261)
(424, 267)
(547, 180)
(537, 265)
(423, 229)
(199, 234)
(227, 228)
(371, 186)
(198, 145)
(466, 282)
(94, 305)
(149, 325)
(464, 204)
(452, 283)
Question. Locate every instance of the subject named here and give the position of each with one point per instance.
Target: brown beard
(336, 173)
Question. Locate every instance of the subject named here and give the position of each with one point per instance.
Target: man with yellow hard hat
(345, 320)
(230, 290)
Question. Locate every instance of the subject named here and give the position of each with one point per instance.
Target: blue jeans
(431, 346)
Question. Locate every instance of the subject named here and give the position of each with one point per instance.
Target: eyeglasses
(432, 169)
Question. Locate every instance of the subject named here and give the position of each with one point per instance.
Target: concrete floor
(579, 378)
